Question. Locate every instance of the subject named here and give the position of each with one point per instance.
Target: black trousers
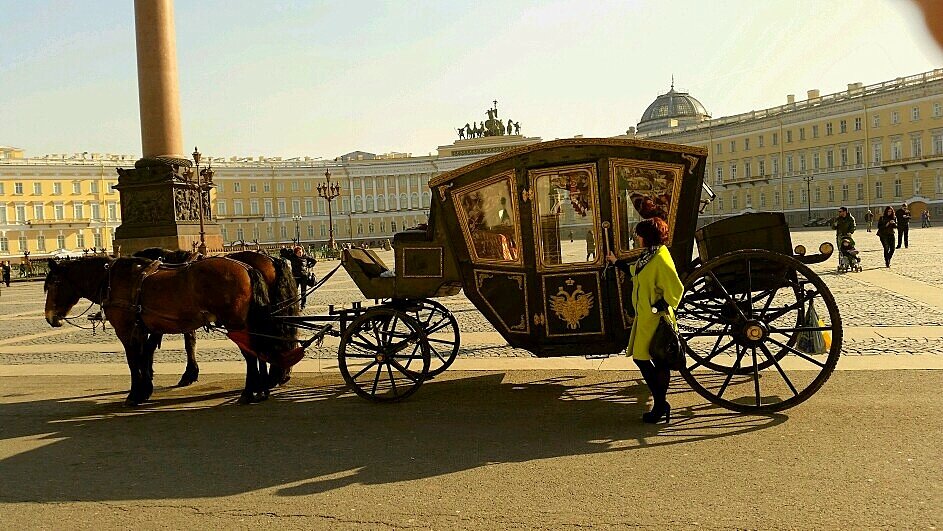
(903, 235)
(887, 241)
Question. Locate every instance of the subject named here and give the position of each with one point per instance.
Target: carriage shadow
(316, 438)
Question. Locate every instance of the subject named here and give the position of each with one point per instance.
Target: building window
(859, 191)
(240, 234)
(296, 206)
(4, 244)
(815, 160)
(309, 207)
(843, 126)
(831, 193)
(112, 211)
(268, 207)
(3, 215)
(775, 166)
(20, 213)
(830, 159)
(294, 186)
(858, 155)
(283, 231)
(876, 120)
(897, 152)
(858, 124)
(80, 240)
(790, 197)
(802, 166)
(775, 139)
(895, 117)
(41, 242)
(803, 196)
(733, 171)
(221, 208)
(96, 212)
(56, 188)
(789, 136)
(844, 192)
(18, 188)
(266, 187)
(37, 189)
(815, 131)
(915, 113)
(762, 168)
(762, 200)
(876, 150)
(916, 147)
(717, 148)
(279, 186)
(93, 187)
(58, 211)
(392, 226)
(253, 207)
(747, 170)
(760, 141)
(38, 212)
(818, 194)
(720, 175)
(310, 231)
(307, 187)
(938, 144)
(746, 144)
(237, 187)
(237, 208)
(802, 133)
(828, 129)
(359, 229)
(937, 110)
(60, 242)
(843, 156)
(733, 146)
(878, 189)
(720, 204)
(897, 187)
(735, 202)
(789, 164)
(21, 241)
(282, 209)
(776, 197)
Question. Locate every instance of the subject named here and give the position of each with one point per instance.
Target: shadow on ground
(314, 436)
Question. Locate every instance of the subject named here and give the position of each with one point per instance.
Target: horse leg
(192, 373)
(265, 384)
(141, 385)
(148, 346)
(253, 380)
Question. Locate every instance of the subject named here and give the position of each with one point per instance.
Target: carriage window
(490, 222)
(642, 190)
(566, 215)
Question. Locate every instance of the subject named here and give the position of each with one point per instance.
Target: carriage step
(597, 356)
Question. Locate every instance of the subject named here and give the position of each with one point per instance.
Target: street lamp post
(206, 173)
(808, 193)
(329, 192)
(297, 219)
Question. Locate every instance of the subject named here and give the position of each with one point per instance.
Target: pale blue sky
(301, 78)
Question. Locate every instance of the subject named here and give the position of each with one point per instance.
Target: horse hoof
(185, 381)
(245, 400)
(130, 402)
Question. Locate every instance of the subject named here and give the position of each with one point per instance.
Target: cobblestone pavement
(870, 300)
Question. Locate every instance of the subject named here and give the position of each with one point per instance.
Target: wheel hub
(754, 330)
(380, 358)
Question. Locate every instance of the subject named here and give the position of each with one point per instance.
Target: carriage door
(570, 300)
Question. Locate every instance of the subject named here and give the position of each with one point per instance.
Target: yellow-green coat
(657, 280)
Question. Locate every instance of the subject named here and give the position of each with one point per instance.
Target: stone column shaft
(158, 92)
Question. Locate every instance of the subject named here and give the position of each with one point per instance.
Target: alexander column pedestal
(160, 208)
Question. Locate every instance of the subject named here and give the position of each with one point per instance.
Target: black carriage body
(528, 231)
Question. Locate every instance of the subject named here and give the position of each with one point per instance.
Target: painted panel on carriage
(573, 303)
(422, 262)
(489, 218)
(565, 206)
(642, 190)
(505, 295)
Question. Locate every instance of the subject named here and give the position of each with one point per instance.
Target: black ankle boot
(656, 378)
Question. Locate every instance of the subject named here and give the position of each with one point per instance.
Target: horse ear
(53, 264)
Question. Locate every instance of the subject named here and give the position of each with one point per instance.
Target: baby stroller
(848, 259)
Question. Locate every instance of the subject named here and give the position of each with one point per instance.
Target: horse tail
(284, 301)
(271, 337)
(258, 305)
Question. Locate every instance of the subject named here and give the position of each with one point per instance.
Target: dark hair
(893, 214)
(653, 231)
(843, 209)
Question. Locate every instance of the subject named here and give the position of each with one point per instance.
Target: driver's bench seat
(371, 275)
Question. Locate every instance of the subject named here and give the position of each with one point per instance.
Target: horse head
(71, 280)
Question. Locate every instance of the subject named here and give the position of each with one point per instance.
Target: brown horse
(283, 294)
(139, 298)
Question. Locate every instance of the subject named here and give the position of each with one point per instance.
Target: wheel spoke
(727, 295)
(749, 294)
(799, 353)
(713, 354)
(376, 379)
(389, 370)
(410, 375)
(736, 367)
(800, 329)
(365, 369)
(782, 373)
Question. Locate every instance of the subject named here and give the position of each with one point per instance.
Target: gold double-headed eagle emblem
(572, 306)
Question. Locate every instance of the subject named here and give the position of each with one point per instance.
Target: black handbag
(666, 349)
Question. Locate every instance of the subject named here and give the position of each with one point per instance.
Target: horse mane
(278, 336)
(167, 256)
(87, 274)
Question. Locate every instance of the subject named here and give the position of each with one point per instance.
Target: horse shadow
(193, 443)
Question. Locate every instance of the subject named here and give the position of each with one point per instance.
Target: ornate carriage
(525, 234)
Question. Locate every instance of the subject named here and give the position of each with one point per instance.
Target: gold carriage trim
(573, 306)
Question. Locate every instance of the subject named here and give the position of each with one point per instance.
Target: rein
(285, 304)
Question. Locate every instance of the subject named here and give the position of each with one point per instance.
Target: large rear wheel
(750, 345)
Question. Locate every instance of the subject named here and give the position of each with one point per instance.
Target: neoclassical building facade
(864, 147)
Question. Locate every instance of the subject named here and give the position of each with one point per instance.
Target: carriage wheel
(748, 346)
(383, 355)
(442, 334)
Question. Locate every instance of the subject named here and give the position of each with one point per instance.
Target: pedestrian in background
(903, 226)
(886, 226)
(925, 219)
(869, 218)
(6, 273)
(844, 225)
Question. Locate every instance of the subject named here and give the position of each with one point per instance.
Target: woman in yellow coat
(656, 291)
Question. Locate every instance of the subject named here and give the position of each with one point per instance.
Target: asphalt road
(521, 450)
